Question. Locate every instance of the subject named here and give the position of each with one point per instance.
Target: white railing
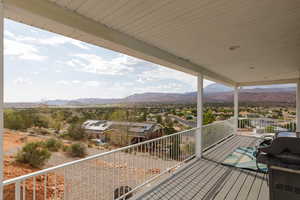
(116, 174)
(266, 125)
(217, 131)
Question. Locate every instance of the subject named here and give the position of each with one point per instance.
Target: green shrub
(169, 131)
(34, 154)
(65, 136)
(41, 131)
(189, 117)
(77, 150)
(53, 144)
(76, 132)
(270, 129)
(208, 117)
(23, 119)
(65, 148)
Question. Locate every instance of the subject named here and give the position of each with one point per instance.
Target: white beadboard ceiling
(236, 41)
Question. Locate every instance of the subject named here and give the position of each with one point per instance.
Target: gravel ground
(97, 179)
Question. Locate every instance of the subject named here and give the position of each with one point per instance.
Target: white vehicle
(98, 142)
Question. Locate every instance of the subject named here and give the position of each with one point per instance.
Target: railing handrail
(264, 118)
(217, 122)
(47, 170)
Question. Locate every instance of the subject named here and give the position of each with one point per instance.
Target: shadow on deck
(207, 179)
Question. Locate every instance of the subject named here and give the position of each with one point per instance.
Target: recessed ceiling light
(234, 47)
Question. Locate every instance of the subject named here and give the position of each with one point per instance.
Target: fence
(116, 174)
(214, 132)
(266, 125)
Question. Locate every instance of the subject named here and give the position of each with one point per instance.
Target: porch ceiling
(235, 42)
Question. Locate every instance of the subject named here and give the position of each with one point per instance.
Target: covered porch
(207, 178)
(238, 43)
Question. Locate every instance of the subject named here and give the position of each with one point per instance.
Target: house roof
(103, 125)
(97, 125)
(235, 42)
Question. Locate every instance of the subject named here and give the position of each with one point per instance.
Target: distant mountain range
(278, 94)
(214, 93)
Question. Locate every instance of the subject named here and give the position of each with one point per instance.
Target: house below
(122, 133)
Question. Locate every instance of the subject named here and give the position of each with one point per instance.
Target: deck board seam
(238, 144)
(220, 169)
(203, 177)
(253, 181)
(255, 178)
(241, 187)
(212, 192)
(231, 141)
(207, 178)
(194, 168)
(218, 158)
(206, 167)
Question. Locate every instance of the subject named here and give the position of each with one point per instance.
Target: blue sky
(42, 65)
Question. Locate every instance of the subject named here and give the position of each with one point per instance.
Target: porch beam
(101, 35)
(1, 97)
(273, 82)
(199, 115)
(236, 109)
(298, 107)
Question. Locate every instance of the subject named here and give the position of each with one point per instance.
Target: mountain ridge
(214, 93)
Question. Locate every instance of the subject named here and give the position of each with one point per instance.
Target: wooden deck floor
(208, 179)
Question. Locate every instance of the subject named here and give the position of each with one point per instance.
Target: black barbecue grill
(282, 155)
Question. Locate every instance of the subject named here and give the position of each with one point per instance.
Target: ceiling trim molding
(273, 82)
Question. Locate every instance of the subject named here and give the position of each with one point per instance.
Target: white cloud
(63, 82)
(76, 82)
(163, 73)
(53, 40)
(60, 40)
(21, 50)
(126, 60)
(137, 76)
(123, 89)
(35, 73)
(74, 62)
(95, 64)
(207, 82)
(8, 34)
(169, 88)
(140, 80)
(22, 81)
(91, 83)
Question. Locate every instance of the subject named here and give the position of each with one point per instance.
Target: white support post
(236, 109)
(1, 96)
(199, 116)
(298, 107)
